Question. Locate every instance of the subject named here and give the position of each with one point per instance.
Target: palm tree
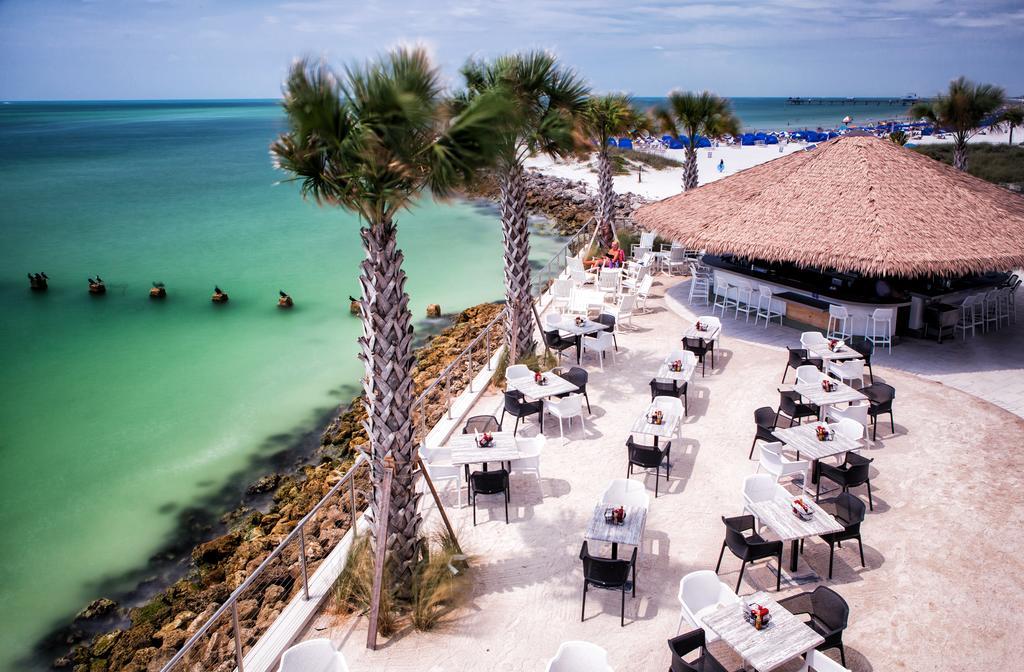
(603, 118)
(694, 115)
(1011, 117)
(546, 101)
(961, 111)
(898, 137)
(371, 142)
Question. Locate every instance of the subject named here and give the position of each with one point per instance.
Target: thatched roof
(856, 203)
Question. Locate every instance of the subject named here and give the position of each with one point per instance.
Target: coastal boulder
(97, 609)
(215, 550)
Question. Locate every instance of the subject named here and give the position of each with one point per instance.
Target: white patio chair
(623, 310)
(881, 327)
(700, 595)
(531, 449)
(700, 284)
(778, 465)
(758, 488)
(809, 338)
(745, 301)
(676, 259)
(857, 413)
(816, 661)
(643, 292)
(847, 371)
(578, 656)
(838, 322)
(671, 406)
(725, 296)
(626, 492)
(608, 281)
(438, 463)
(314, 655)
(630, 283)
(561, 293)
(517, 371)
(808, 374)
(766, 306)
(850, 428)
(601, 343)
(580, 278)
(565, 408)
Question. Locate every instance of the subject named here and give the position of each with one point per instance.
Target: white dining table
(667, 428)
(777, 514)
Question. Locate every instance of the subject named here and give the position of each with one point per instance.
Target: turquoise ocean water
(119, 414)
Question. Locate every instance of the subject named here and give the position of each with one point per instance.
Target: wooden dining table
(667, 428)
(630, 532)
(777, 514)
(804, 440)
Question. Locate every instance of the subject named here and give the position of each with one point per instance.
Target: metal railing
(221, 642)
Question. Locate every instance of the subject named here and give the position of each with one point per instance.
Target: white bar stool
(766, 306)
(881, 327)
(838, 322)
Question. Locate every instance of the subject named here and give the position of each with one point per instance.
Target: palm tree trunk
(516, 235)
(690, 167)
(605, 198)
(960, 156)
(386, 351)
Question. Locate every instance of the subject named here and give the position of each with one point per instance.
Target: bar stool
(991, 310)
(1003, 305)
(967, 318)
(745, 300)
(838, 322)
(766, 307)
(724, 296)
(700, 283)
(881, 327)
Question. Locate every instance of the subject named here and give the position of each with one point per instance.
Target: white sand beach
(659, 184)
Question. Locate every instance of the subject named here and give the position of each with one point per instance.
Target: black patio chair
(517, 406)
(799, 357)
(829, 615)
(866, 349)
(578, 377)
(880, 398)
(748, 548)
(854, 471)
(608, 574)
(686, 643)
(671, 388)
(701, 348)
(764, 421)
(849, 511)
(489, 483)
(609, 321)
(481, 423)
(791, 406)
(649, 457)
(555, 342)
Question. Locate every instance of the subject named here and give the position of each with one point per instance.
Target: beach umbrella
(625, 143)
(847, 119)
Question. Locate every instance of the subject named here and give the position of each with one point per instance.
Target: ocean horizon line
(16, 101)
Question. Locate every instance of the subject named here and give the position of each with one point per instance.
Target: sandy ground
(659, 184)
(942, 546)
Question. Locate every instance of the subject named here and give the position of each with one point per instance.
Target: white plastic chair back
(809, 338)
(669, 406)
(561, 288)
(838, 312)
(677, 255)
(626, 305)
(602, 340)
(882, 314)
(645, 286)
(578, 277)
(677, 354)
(647, 240)
(852, 369)
(626, 492)
(858, 413)
(576, 656)
(553, 321)
(517, 371)
(770, 456)
(574, 264)
(758, 488)
(809, 374)
(816, 661)
(314, 655)
(566, 406)
(699, 590)
(849, 428)
(608, 280)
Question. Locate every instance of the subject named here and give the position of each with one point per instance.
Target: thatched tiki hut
(857, 221)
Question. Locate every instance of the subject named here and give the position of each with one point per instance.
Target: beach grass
(655, 161)
(1001, 164)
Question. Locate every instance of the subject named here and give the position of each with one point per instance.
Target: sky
(147, 49)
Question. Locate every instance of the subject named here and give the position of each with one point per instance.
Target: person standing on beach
(721, 166)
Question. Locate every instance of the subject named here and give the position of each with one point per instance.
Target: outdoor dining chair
(854, 471)
(798, 357)
(701, 349)
(649, 457)
(791, 406)
(566, 408)
(850, 512)
(880, 398)
(517, 406)
(686, 644)
(850, 370)
(670, 388)
(775, 463)
(700, 283)
(671, 407)
(555, 341)
(489, 483)
(816, 661)
(530, 450)
(764, 423)
(608, 320)
(438, 463)
(517, 371)
(624, 492)
(481, 424)
(828, 615)
(809, 338)
(808, 374)
(866, 349)
(313, 655)
(608, 574)
(578, 377)
(575, 656)
(700, 594)
(600, 343)
(748, 548)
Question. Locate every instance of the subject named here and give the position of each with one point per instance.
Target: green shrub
(1001, 164)
(655, 161)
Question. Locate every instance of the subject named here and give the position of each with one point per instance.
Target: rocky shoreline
(105, 637)
(569, 204)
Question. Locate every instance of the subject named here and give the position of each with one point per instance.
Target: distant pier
(907, 100)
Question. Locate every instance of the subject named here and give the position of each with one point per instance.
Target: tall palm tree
(961, 111)
(371, 142)
(546, 100)
(603, 118)
(694, 115)
(1011, 117)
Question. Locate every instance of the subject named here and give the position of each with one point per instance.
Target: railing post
(487, 340)
(469, 370)
(302, 562)
(352, 505)
(238, 639)
(448, 398)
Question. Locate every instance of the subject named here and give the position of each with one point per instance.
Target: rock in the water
(97, 609)
(433, 310)
(265, 484)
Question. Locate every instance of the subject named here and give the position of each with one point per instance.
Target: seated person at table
(613, 258)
